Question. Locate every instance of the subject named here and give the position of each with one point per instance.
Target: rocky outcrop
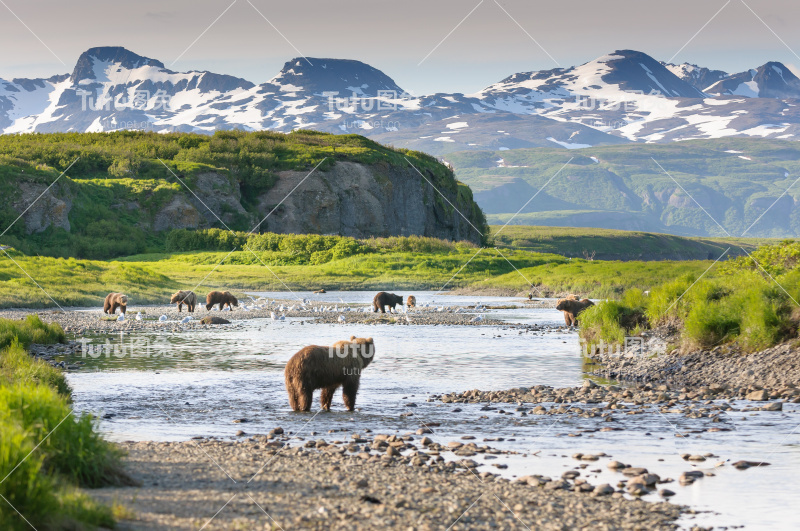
(349, 199)
(177, 214)
(353, 199)
(39, 213)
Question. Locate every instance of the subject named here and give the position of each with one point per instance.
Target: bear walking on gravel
(114, 301)
(384, 299)
(327, 368)
(184, 297)
(222, 298)
(411, 301)
(572, 307)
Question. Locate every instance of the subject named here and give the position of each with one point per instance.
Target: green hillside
(735, 180)
(115, 185)
(608, 244)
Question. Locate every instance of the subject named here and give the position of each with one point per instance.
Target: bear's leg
(292, 391)
(180, 305)
(113, 308)
(349, 391)
(191, 308)
(123, 308)
(567, 320)
(305, 396)
(327, 397)
(374, 307)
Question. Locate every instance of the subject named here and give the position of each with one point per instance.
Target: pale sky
(396, 36)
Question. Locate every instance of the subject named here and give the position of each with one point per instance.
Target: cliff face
(350, 199)
(357, 200)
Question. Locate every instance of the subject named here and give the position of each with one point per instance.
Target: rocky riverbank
(775, 371)
(368, 482)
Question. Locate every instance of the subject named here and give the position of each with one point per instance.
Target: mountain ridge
(624, 96)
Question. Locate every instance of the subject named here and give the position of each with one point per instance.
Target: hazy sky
(396, 36)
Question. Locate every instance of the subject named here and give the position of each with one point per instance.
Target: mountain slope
(621, 187)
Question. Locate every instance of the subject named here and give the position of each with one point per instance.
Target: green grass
(752, 303)
(46, 451)
(421, 264)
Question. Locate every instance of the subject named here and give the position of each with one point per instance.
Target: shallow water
(198, 383)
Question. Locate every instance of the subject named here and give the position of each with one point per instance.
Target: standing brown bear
(384, 299)
(114, 301)
(184, 297)
(327, 368)
(571, 308)
(411, 301)
(222, 298)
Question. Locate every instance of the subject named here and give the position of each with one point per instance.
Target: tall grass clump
(46, 451)
(30, 330)
(612, 321)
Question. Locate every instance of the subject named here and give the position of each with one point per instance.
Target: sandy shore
(372, 482)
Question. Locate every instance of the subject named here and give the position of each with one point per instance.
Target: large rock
(51, 209)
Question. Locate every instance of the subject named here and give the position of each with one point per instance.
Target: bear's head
(566, 305)
(364, 347)
(123, 299)
(177, 297)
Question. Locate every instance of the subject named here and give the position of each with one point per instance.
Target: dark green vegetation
(118, 184)
(608, 244)
(34, 402)
(624, 188)
(750, 301)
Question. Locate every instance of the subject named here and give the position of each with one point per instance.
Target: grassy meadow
(151, 278)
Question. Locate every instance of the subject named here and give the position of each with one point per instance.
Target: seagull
(121, 317)
(477, 319)
(282, 317)
(440, 309)
(138, 316)
(272, 316)
(341, 318)
(408, 319)
(186, 319)
(162, 318)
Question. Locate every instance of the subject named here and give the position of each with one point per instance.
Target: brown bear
(114, 301)
(213, 320)
(321, 291)
(184, 297)
(572, 307)
(327, 368)
(222, 298)
(411, 301)
(384, 299)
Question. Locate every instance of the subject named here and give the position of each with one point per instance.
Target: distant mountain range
(626, 96)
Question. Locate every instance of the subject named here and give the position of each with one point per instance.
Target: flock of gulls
(262, 303)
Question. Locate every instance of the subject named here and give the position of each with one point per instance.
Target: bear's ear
(352, 338)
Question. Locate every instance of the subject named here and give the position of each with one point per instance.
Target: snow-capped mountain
(697, 76)
(620, 97)
(772, 80)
